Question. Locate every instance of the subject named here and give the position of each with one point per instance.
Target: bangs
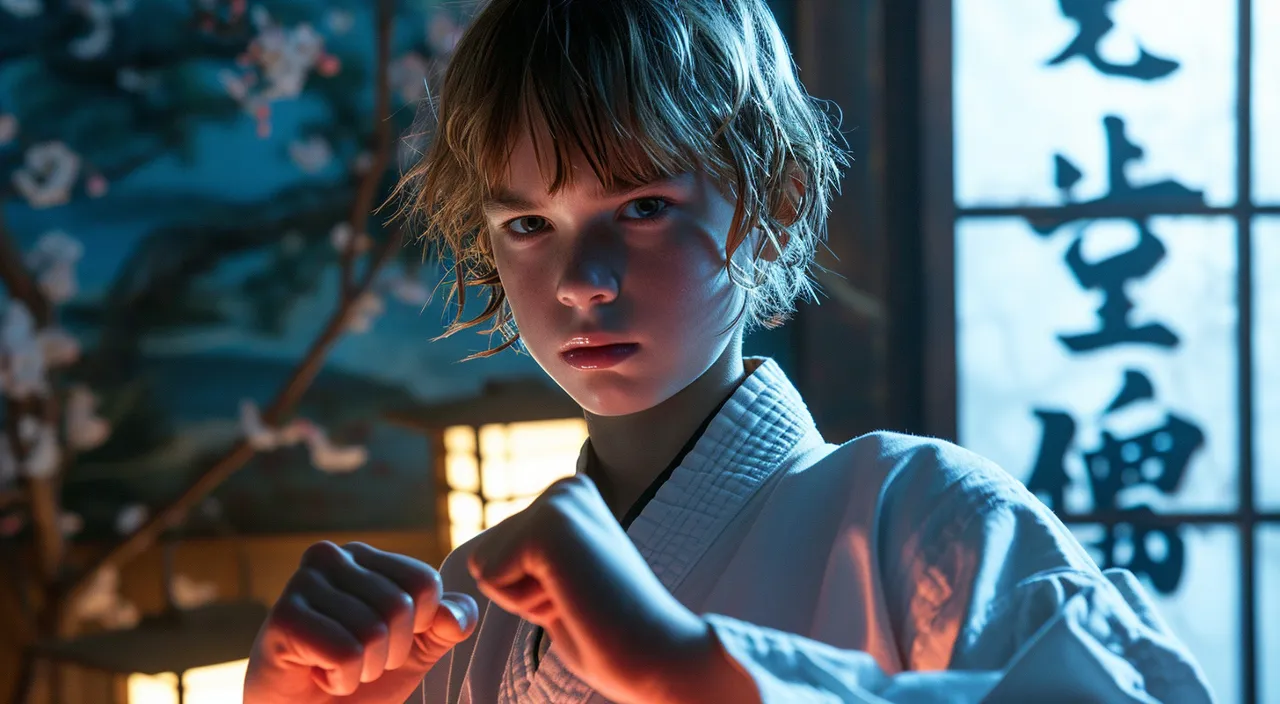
(589, 88)
(640, 90)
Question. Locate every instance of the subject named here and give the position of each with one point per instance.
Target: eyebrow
(504, 200)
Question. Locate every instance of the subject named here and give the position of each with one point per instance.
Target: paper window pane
(460, 438)
(1266, 361)
(462, 471)
(1192, 574)
(460, 534)
(1266, 101)
(1148, 399)
(1026, 130)
(465, 509)
(1267, 549)
(496, 512)
(215, 684)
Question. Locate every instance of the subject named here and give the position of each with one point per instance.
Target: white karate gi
(888, 569)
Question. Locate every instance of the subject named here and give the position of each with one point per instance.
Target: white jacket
(888, 569)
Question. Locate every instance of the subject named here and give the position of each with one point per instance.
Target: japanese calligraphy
(1110, 277)
(1091, 16)
(1121, 152)
(1152, 550)
(1157, 458)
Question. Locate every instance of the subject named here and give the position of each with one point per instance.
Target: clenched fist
(358, 623)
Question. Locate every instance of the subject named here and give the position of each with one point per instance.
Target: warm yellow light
(462, 471)
(516, 462)
(465, 509)
(214, 684)
(493, 441)
(460, 438)
(496, 512)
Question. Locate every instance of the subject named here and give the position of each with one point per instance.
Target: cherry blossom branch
(19, 282)
(237, 456)
(42, 496)
(362, 205)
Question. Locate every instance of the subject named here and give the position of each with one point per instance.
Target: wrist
(702, 671)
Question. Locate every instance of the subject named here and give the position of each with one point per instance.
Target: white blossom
(340, 237)
(53, 260)
(135, 81)
(340, 21)
(69, 523)
(44, 453)
(335, 459)
(443, 33)
(85, 428)
(236, 86)
(49, 172)
(285, 56)
(102, 602)
(260, 437)
(324, 455)
(362, 162)
(22, 361)
(8, 125)
(407, 76)
(189, 593)
(364, 311)
(58, 346)
(131, 518)
(54, 247)
(95, 44)
(22, 9)
(408, 289)
(58, 283)
(312, 154)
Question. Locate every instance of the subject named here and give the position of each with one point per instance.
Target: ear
(786, 213)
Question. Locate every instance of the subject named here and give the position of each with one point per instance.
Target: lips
(598, 356)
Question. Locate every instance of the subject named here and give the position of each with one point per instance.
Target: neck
(632, 450)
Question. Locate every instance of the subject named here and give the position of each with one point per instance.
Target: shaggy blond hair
(642, 89)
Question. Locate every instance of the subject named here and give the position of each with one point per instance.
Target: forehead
(531, 172)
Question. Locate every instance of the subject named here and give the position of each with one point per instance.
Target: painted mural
(178, 179)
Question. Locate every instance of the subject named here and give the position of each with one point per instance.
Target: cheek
(524, 286)
(694, 290)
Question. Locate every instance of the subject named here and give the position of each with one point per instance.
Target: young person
(635, 183)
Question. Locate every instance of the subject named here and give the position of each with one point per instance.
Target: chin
(603, 393)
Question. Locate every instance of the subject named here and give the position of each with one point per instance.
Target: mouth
(598, 356)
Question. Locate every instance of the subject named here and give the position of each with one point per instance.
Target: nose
(588, 281)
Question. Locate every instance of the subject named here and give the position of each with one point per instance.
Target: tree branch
(42, 496)
(380, 149)
(16, 278)
(290, 393)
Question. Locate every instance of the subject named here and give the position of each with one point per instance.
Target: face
(622, 298)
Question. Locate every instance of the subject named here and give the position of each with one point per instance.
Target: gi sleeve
(991, 599)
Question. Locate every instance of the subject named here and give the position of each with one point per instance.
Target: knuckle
(359, 548)
(305, 579)
(322, 553)
(427, 582)
(372, 632)
(348, 652)
(396, 606)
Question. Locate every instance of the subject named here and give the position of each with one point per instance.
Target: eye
(525, 226)
(648, 208)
